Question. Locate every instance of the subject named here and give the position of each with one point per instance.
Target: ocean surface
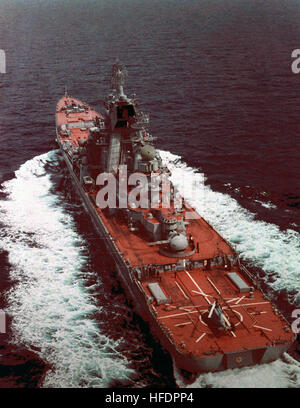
(216, 78)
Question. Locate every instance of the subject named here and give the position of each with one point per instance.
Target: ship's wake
(283, 373)
(263, 246)
(51, 302)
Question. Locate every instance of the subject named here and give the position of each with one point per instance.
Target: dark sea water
(216, 78)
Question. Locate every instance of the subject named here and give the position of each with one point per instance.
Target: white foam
(283, 373)
(50, 304)
(267, 204)
(265, 245)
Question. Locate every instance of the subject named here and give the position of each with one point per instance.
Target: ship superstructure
(203, 305)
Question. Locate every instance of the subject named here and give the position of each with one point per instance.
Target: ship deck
(192, 293)
(86, 117)
(135, 247)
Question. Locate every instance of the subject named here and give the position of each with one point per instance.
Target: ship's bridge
(124, 113)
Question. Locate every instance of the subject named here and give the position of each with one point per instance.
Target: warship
(201, 302)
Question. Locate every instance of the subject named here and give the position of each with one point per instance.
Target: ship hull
(187, 362)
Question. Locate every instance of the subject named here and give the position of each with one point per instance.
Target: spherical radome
(179, 243)
(148, 152)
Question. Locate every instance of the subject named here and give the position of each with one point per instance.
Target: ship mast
(119, 74)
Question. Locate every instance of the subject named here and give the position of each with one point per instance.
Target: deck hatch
(158, 294)
(238, 282)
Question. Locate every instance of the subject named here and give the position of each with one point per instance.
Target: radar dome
(148, 152)
(178, 243)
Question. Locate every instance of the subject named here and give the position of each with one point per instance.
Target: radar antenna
(119, 74)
